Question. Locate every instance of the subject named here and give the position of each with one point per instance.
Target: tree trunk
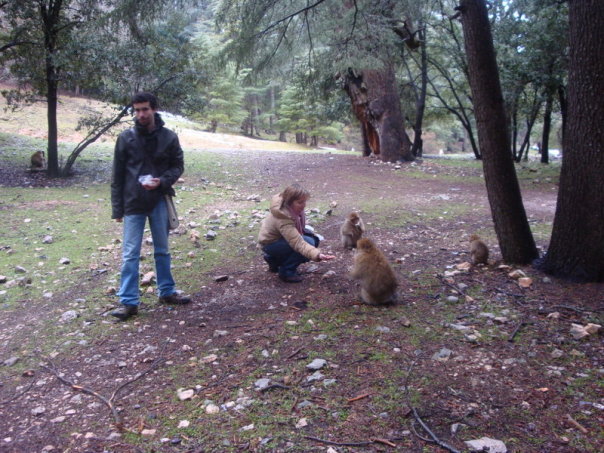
(376, 104)
(282, 137)
(576, 249)
(417, 147)
(511, 225)
(213, 126)
(547, 125)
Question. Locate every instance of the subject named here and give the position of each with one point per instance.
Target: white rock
(212, 409)
(302, 423)
(184, 395)
(184, 424)
(38, 410)
(316, 364)
(487, 444)
(64, 261)
(69, 315)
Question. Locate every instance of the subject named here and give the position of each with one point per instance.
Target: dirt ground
(512, 372)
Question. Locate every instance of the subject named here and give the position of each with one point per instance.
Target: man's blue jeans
(281, 255)
(134, 227)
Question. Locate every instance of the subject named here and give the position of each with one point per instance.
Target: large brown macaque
(38, 161)
(372, 269)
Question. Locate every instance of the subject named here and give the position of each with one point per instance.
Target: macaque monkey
(351, 231)
(479, 252)
(38, 161)
(372, 269)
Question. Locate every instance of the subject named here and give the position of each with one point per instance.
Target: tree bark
(375, 103)
(576, 249)
(418, 143)
(547, 126)
(511, 225)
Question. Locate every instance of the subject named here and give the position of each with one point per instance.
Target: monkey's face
(353, 217)
(364, 245)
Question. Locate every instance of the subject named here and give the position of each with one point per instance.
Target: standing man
(148, 160)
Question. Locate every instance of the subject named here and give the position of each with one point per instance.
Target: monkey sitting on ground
(479, 252)
(371, 268)
(351, 231)
(38, 161)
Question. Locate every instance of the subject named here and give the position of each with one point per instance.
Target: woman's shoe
(272, 267)
(290, 278)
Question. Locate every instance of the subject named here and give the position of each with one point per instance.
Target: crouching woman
(283, 238)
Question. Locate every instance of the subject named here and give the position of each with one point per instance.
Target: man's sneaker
(174, 299)
(125, 312)
(290, 278)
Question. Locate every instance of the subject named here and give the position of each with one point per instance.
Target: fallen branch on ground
(435, 439)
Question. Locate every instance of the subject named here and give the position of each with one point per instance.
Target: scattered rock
(443, 355)
(516, 274)
(185, 394)
(211, 235)
(302, 423)
(148, 278)
(10, 361)
(487, 444)
(3, 279)
(316, 364)
(47, 240)
(328, 274)
(212, 409)
(525, 282)
(39, 410)
(578, 331)
(69, 315)
(20, 270)
(221, 278)
(64, 261)
(383, 329)
(262, 383)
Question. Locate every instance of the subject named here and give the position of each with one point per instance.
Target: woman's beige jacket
(279, 224)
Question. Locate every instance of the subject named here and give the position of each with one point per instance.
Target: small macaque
(351, 231)
(479, 252)
(38, 161)
(372, 269)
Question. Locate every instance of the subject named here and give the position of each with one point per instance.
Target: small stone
(10, 361)
(328, 274)
(148, 432)
(59, 419)
(443, 355)
(487, 444)
(184, 424)
(184, 395)
(382, 329)
(452, 299)
(211, 235)
(221, 278)
(525, 282)
(212, 409)
(148, 279)
(302, 423)
(220, 333)
(64, 261)
(516, 274)
(262, 383)
(39, 410)
(554, 315)
(47, 240)
(3, 278)
(316, 376)
(20, 270)
(557, 353)
(316, 364)
(69, 315)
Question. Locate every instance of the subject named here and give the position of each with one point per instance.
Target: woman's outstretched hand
(324, 257)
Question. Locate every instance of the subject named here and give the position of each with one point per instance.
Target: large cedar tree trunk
(511, 225)
(576, 249)
(376, 104)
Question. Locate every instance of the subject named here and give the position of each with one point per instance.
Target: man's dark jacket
(139, 152)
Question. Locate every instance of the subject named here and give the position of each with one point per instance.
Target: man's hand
(152, 184)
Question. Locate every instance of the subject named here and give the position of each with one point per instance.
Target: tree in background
(511, 224)
(89, 44)
(576, 248)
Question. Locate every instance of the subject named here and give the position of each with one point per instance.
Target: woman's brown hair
(292, 193)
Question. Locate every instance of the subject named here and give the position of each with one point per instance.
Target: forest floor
(466, 353)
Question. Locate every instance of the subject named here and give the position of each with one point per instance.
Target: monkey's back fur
(479, 252)
(372, 269)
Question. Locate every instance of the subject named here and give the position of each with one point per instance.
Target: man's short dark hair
(145, 96)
